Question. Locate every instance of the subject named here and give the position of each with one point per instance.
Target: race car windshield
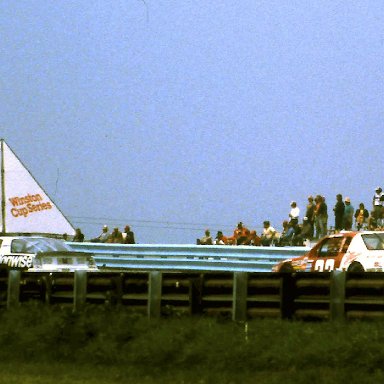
(374, 241)
(34, 245)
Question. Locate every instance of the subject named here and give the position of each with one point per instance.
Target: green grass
(42, 344)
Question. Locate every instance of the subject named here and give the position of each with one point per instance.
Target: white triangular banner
(27, 207)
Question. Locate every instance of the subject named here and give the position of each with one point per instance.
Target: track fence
(241, 296)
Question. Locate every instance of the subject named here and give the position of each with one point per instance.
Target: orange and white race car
(345, 251)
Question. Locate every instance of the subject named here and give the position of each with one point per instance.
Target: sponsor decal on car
(302, 265)
(17, 261)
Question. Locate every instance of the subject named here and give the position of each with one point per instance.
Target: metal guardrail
(336, 295)
(187, 257)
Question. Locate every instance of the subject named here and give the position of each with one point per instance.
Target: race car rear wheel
(356, 267)
(287, 268)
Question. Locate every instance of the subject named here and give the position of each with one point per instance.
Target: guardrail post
(337, 293)
(119, 288)
(196, 294)
(154, 294)
(80, 290)
(13, 297)
(240, 292)
(287, 295)
(47, 283)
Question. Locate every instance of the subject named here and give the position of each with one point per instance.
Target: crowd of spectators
(314, 225)
(241, 236)
(116, 236)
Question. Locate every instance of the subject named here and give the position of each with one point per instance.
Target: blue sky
(176, 116)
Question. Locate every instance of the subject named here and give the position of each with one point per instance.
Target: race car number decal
(324, 265)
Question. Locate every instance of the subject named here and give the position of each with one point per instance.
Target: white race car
(345, 251)
(42, 254)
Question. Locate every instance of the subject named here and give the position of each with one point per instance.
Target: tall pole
(2, 188)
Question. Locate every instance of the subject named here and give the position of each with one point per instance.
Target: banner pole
(3, 228)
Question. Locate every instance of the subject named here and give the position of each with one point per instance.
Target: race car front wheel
(356, 267)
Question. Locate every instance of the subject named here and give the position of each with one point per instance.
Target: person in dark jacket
(310, 213)
(305, 234)
(321, 216)
(339, 212)
(128, 235)
(79, 236)
(348, 214)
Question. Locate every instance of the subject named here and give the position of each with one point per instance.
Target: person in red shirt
(241, 234)
(253, 238)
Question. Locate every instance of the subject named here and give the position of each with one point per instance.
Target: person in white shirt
(269, 234)
(294, 213)
(377, 203)
(103, 237)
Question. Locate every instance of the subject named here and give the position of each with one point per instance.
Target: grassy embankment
(39, 344)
